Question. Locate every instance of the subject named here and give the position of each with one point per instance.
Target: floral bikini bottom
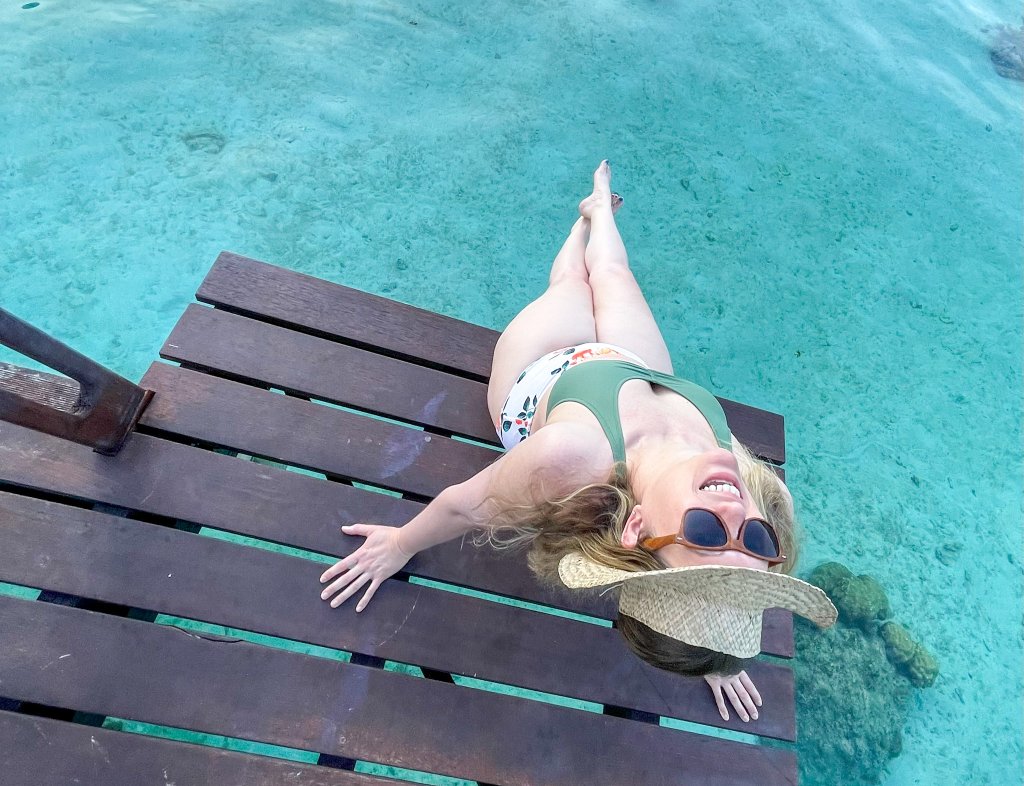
(521, 404)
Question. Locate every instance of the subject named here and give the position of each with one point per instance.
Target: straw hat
(710, 606)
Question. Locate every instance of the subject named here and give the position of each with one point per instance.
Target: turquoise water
(822, 202)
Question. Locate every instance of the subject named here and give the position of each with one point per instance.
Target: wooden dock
(285, 390)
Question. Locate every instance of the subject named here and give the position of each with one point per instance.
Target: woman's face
(683, 486)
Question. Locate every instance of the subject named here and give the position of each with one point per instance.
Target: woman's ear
(632, 530)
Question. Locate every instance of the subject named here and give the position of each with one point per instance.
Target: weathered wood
(267, 355)
(50, 390)
(166, 479)
(36, 751)
(126, 668)
(334, 311)
(102, 414)
(93, 555)
(321, 308)
(178, 482)
(314, 436)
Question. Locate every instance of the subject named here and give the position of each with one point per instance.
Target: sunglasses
(703, 529)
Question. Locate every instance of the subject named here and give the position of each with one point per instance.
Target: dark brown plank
(283, 297)
(761, 431)
(132, 669)
(261, 423)
(264, 354)
(274, 294)
(35, 751)
(88, 554)
(166, 479)
(268, 355)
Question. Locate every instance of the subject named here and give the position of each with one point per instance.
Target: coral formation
(828, 574)
(860, 599)
(909, 656)
(851, 706)
(854, 682)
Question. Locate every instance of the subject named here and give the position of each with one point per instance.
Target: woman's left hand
(741, 692)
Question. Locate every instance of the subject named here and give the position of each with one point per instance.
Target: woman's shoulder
(555, 462)
(559, 459)
(579, 446)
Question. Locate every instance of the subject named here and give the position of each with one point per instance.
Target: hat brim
(743, 588)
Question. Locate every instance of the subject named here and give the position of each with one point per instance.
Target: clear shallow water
(823, 204)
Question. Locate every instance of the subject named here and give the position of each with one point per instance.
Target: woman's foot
(602, 195)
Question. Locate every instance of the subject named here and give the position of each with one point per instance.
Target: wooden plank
(88, 554)
(178, 482)
(321, 308)
(131, 669)
(762, 432)
(264, 354)
(325, 309)
(36, 751)
(271, 356)
(261, 423)
(50, 390)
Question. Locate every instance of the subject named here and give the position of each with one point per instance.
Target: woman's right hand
(741, 693)
(378, 558)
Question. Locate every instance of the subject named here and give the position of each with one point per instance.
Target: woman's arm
(559, 454)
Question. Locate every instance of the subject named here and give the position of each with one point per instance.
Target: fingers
(337, 568)
(368, 594)
(340, 584)
(352, 588)
(716, 690)
(748, 701)
(741, 700)
(353, 581)
(749, 685)
(737, 704)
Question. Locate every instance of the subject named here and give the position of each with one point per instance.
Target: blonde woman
(616, 474)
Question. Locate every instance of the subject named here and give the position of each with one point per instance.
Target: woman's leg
(621, 312)
(561, 317)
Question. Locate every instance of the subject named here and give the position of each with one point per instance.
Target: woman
(629, 477)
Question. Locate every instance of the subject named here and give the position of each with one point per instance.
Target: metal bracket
(100, 411)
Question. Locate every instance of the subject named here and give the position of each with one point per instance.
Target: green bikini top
(596, 386)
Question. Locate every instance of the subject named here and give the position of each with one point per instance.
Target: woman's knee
(613, 283)
(572, 290)
(573, 272)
